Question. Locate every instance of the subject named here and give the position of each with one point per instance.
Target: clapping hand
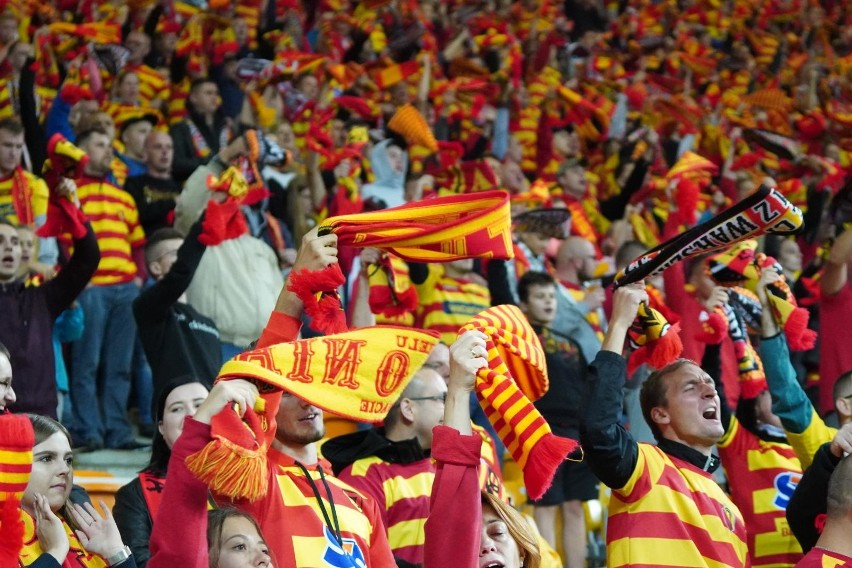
(49, 529)
(98, 534)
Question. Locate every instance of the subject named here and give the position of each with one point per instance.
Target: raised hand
(841, 445)
(238, 391)
(468, 354)
(718, 298)
(316, 252)
(767, 276)
(625, 304)
(98, 534)
(67, 188)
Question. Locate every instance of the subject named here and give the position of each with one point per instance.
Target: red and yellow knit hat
(16, 462)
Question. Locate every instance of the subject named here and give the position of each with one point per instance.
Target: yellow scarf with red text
(357, 375)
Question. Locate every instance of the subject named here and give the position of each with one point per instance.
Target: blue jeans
(100, 411)
(229, 351)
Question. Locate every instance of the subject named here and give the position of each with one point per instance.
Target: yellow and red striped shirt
(762, 476)
(670, 509)
(403, 493)
(115, 222)
(448, 303)
(291, 517)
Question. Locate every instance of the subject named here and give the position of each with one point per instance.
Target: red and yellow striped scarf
(517, 375)
(432, 230)
(77, 556)
(22, 197)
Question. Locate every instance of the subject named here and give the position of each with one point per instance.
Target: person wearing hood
(199, 136)
(393, 465)
(389, 161)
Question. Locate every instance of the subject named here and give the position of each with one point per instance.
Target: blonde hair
(518, 528)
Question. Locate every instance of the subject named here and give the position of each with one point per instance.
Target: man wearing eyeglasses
(392, 464)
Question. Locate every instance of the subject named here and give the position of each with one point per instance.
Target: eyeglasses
(442, 398)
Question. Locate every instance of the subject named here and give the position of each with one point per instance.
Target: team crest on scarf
(346, 554)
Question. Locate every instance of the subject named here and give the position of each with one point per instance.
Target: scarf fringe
(318, 291)
(542, 462)
(231, 469)
(799, 337)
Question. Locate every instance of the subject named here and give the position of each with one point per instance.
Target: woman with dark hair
(136, 503)
(58, 532)
(233, 538)
(484, 530)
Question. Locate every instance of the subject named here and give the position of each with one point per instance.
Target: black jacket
(134, 520)
(185, 158)
(177, 339)
(345, 450)
(810, 499)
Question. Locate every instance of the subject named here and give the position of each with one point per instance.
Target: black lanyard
(328, 522)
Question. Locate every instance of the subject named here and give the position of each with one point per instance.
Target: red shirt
(821, 558)
(835, 357)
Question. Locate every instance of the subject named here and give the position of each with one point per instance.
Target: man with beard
(198, 137)
(309, 515)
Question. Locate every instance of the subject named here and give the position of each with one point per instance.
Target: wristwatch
(119, 556)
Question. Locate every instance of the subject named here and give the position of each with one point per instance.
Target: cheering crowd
(606, 244)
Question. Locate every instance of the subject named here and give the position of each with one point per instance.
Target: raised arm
(154, 302)
(71, 280)
(179, 537)
(456, 510)
(611, 450)
(805, 430)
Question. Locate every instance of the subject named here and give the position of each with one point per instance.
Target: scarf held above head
(358, 375)
(516, 376)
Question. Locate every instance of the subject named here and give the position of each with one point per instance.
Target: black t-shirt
(155, 199)
(566, 371)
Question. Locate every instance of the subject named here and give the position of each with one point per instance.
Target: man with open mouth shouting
(664, 491)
